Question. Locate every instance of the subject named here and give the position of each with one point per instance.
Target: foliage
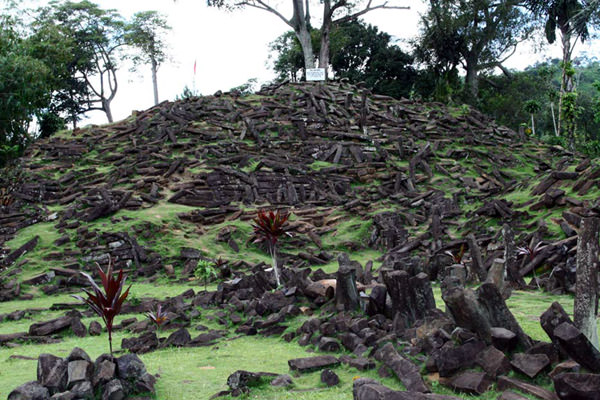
(106, 302)
(269, 227)
(458, 256)
(146, 34)
(97, 35)
(359, 52)
(188, 93)
(245, 89)
(477, 35)
(158, 317)
(205, 270)
(530, 251)
(532, 106)
(50, 123)
(24, 84)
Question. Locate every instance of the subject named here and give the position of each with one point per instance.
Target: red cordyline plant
(158, 317)
(531, 252)
(106, 303)
(457, 257)
(268, 228)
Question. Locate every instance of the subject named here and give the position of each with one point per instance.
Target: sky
(231, 47)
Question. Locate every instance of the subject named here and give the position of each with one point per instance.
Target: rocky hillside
(383, 179)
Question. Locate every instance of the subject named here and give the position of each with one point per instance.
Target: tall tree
(24, 85)
(359, 52)
(571, 18)
(478, 35)
(99, 35)
(334, 12)
(146, 34)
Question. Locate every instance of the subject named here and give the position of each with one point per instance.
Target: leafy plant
(158, 317)
(205, 270)
(106, 303)
(268, 228)
(457, 257)
(529, 251)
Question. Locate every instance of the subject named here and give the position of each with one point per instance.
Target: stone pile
(77, 377)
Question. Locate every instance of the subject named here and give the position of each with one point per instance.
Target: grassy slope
(197, 373)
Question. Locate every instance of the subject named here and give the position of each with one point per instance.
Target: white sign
(315, 74)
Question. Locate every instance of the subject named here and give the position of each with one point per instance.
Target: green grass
(197, 373)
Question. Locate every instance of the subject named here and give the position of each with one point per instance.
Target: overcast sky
(232, 47)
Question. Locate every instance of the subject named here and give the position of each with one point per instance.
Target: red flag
(194, 67)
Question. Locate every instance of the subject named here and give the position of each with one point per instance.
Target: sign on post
(315, 74)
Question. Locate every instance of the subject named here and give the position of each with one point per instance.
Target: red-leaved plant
(268, 228)
(457, 257)
(106, 303)
(158, 317)
(531, 252)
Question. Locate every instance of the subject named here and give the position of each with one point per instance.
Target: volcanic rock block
(329, 344)
(309, 364)
(407, 372)
(586, 286)
(471, 383)
(530, 364)
(572, 386)
(179, 338)
(346, 293)
(510, 395)
(79, 371)
(493, 361)
(50, 327)
(113, 391)
(329, 378)
(130, 367)
(52, 372)
(578, 346)
(78, 328)
(241, 379)
(505, 383)
(83, 390)
(30, 391)
(412, 296)
(360, 363)
(451, 359)
(503, 339)
(95, 329)
(565, 367)
(282, 381)
(142, 344)
(553, 317)
(104, 372)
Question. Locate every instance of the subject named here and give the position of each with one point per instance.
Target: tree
(98, 35)
(146, 34)
(478, 35)
(571, 18)
(359, 52)
(25, 88)
(334, 13)
(532, 107)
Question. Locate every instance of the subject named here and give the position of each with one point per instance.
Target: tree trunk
(532, 125)
(472, 80)
(586, 287)
(565, 87)
(155, 81)
(307, 49)
(107, 110)
(554, 119)
(325, 31)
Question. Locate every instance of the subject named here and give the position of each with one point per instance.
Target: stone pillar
(586, 287)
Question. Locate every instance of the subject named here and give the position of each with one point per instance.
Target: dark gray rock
(95, 328)
(113, 391)
(79, 371)
(130, 367)
(141, 344)
(52, 372)
(30, 391)
(530, 364)
(493, 361)
(104, 372)
(68, 395)
(572, 386)
(503, 339)
(312, 363)
(78, 328)
(83, 390)
(282, 381)
(505, 383)
(329, 378)
(406, 371)
(329, 344)
(450, 359)
(179, 338)
(78, 354)
(471, 383)
(578, 346)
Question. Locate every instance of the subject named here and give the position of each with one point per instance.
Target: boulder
(30, 391)
(474, 383)
(309, 364)
(113, 391)
(407, 372)
(52, 372)
(530, 364)
(329, 378)
(493, 361)
(573, 386)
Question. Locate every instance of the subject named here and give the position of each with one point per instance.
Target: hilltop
(360, 172)
(394, 190)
